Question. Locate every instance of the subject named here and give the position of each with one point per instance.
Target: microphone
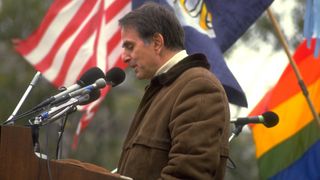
(115, 76)
(100, 83)
(93, 95)
(57, 111)
(89, 77)
(268, 119)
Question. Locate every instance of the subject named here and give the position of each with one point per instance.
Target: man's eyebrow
(126, 44)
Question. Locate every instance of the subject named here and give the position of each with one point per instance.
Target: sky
(258, 70)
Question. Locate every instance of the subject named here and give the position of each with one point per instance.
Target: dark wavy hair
(152, 18)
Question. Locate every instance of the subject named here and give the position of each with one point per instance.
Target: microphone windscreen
(270, 119)
(101, 83)
(90, 76)
(93, 95)
(115, 76)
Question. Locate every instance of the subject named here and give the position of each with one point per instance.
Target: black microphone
(93, 95)
(89, 77)
(115, 76)
(268, 119)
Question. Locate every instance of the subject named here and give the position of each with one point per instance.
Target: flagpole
(285, 46)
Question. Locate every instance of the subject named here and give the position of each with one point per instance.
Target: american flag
(74, 36)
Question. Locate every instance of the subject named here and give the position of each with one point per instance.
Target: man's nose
(125, 57)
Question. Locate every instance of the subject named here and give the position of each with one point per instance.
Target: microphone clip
(236, 131)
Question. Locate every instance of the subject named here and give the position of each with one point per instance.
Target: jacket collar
(195, 60)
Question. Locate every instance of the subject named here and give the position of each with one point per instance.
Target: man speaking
(181, 127)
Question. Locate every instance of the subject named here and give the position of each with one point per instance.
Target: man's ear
(158, 42)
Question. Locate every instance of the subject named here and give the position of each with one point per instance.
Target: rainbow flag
(291, 150)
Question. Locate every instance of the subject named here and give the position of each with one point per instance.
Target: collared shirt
(171, 62)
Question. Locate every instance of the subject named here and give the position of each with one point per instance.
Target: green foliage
(20, 17)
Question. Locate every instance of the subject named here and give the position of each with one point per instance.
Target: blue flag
(211, 27)
(311, 26)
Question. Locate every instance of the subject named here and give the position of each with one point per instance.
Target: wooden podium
(19, 162)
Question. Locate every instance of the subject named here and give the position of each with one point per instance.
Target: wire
(39, 161)
(47, 150)
(64, 120)
(231, 164)
(18, 117)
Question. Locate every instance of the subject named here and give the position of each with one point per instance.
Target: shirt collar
(171, 62)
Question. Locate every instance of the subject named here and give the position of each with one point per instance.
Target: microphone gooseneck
(89, 83)
(88, 78)
(100, 83)
(268, 119)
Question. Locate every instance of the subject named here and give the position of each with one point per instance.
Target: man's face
(139, 55)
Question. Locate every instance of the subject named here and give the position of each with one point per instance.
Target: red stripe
(70, 29)
(99, 25)
(83, 36)
(114, 41)
(25, 46)
(115, 8)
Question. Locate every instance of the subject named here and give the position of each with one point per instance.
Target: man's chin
(138, 76)
(141, 77)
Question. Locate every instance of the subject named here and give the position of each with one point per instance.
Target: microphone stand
(236, 131)
(35, 138)
(26, 93)
(62, 125)
(38, 122)
(62, 115)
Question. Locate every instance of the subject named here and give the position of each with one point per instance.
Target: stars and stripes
(73, 37)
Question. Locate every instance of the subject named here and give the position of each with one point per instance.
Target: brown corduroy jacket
(181, 127)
